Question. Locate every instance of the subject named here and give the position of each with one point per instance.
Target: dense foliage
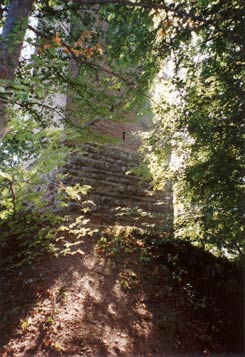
(203, 125)
(105, 55)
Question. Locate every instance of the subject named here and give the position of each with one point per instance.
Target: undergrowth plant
(29, 236)
(31, 189)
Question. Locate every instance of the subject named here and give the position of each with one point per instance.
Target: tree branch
(148, 5)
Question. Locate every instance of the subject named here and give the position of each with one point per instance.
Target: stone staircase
(119, 195)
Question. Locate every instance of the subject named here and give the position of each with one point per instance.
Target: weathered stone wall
(117, 193)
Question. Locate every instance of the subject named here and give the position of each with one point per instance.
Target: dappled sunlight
(121, 178)
(111, 301)
(84, 298)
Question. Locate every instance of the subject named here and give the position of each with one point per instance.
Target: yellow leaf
(162, 32)
(86, 34)
(78, 43)
(57, 39)
(89, 52)
(76, 52)
(99, 49)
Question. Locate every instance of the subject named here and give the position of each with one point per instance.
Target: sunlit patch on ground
(98, 304)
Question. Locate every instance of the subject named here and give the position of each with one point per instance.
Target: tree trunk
(11, 42)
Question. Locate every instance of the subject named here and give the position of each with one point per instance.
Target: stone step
(110, 202)
(90, 172)
(110, 151)
(99, 185)
(97, 163)
(133, 194)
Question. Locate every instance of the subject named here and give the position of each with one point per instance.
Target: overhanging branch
(149, 5)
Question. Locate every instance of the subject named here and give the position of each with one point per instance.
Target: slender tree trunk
(11, 42)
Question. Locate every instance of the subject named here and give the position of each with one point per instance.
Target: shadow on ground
(170, 299)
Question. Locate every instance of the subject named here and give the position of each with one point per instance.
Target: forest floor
(122, 293)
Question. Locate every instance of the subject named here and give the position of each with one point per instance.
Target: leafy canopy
(105, 56)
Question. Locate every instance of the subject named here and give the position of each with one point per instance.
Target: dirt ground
(127, 299)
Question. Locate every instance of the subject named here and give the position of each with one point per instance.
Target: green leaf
(6, 176)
